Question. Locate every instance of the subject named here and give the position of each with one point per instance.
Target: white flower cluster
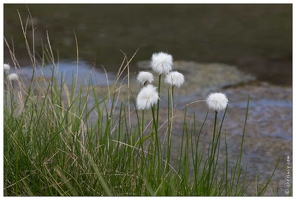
(147, 97)
(145, 77)
(161, 63)
(174, 79)
(6, 67)
(12, 76)
(217, 101)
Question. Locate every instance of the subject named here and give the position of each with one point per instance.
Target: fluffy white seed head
(145, 77)
(147, 97)
(13, 77)
(161, 62)
(6, 67)
(217, 101)
(174, 79)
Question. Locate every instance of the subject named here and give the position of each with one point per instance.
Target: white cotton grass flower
(6, 67)
(174, 79)
(162, 63)
(145, 77)
(147, 97)
(217, 101)
(13, 77)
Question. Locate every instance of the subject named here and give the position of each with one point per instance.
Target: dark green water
(256, 38)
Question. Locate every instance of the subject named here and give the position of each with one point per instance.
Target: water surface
(256, 38)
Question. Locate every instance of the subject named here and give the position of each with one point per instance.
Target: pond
(256, 38)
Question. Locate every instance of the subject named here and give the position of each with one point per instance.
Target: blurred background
(256, 38)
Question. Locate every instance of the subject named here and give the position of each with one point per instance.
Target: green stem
(5, 89)
(212, 155)
(158, 101)
(142, 129)
(12, 96)
(238, 163)
(170, 124)
(219, 132)
(156, 143)
(214, 136)
(141, 135)
(157, 148)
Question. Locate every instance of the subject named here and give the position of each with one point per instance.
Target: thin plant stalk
(170, 124)
(141, 134)
(211, 156)
(5, 89)
(158, 101)
(156, 142)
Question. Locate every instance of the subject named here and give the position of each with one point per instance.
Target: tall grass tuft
(59, 142)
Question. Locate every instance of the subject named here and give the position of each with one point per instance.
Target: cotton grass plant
(144, 78)
(13, 77)
(147, 97)
(62, 144)
(161, 63)
(6, 68)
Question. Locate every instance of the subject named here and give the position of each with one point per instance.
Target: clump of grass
(59, 143)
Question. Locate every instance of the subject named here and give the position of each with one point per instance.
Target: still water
(256, 38)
